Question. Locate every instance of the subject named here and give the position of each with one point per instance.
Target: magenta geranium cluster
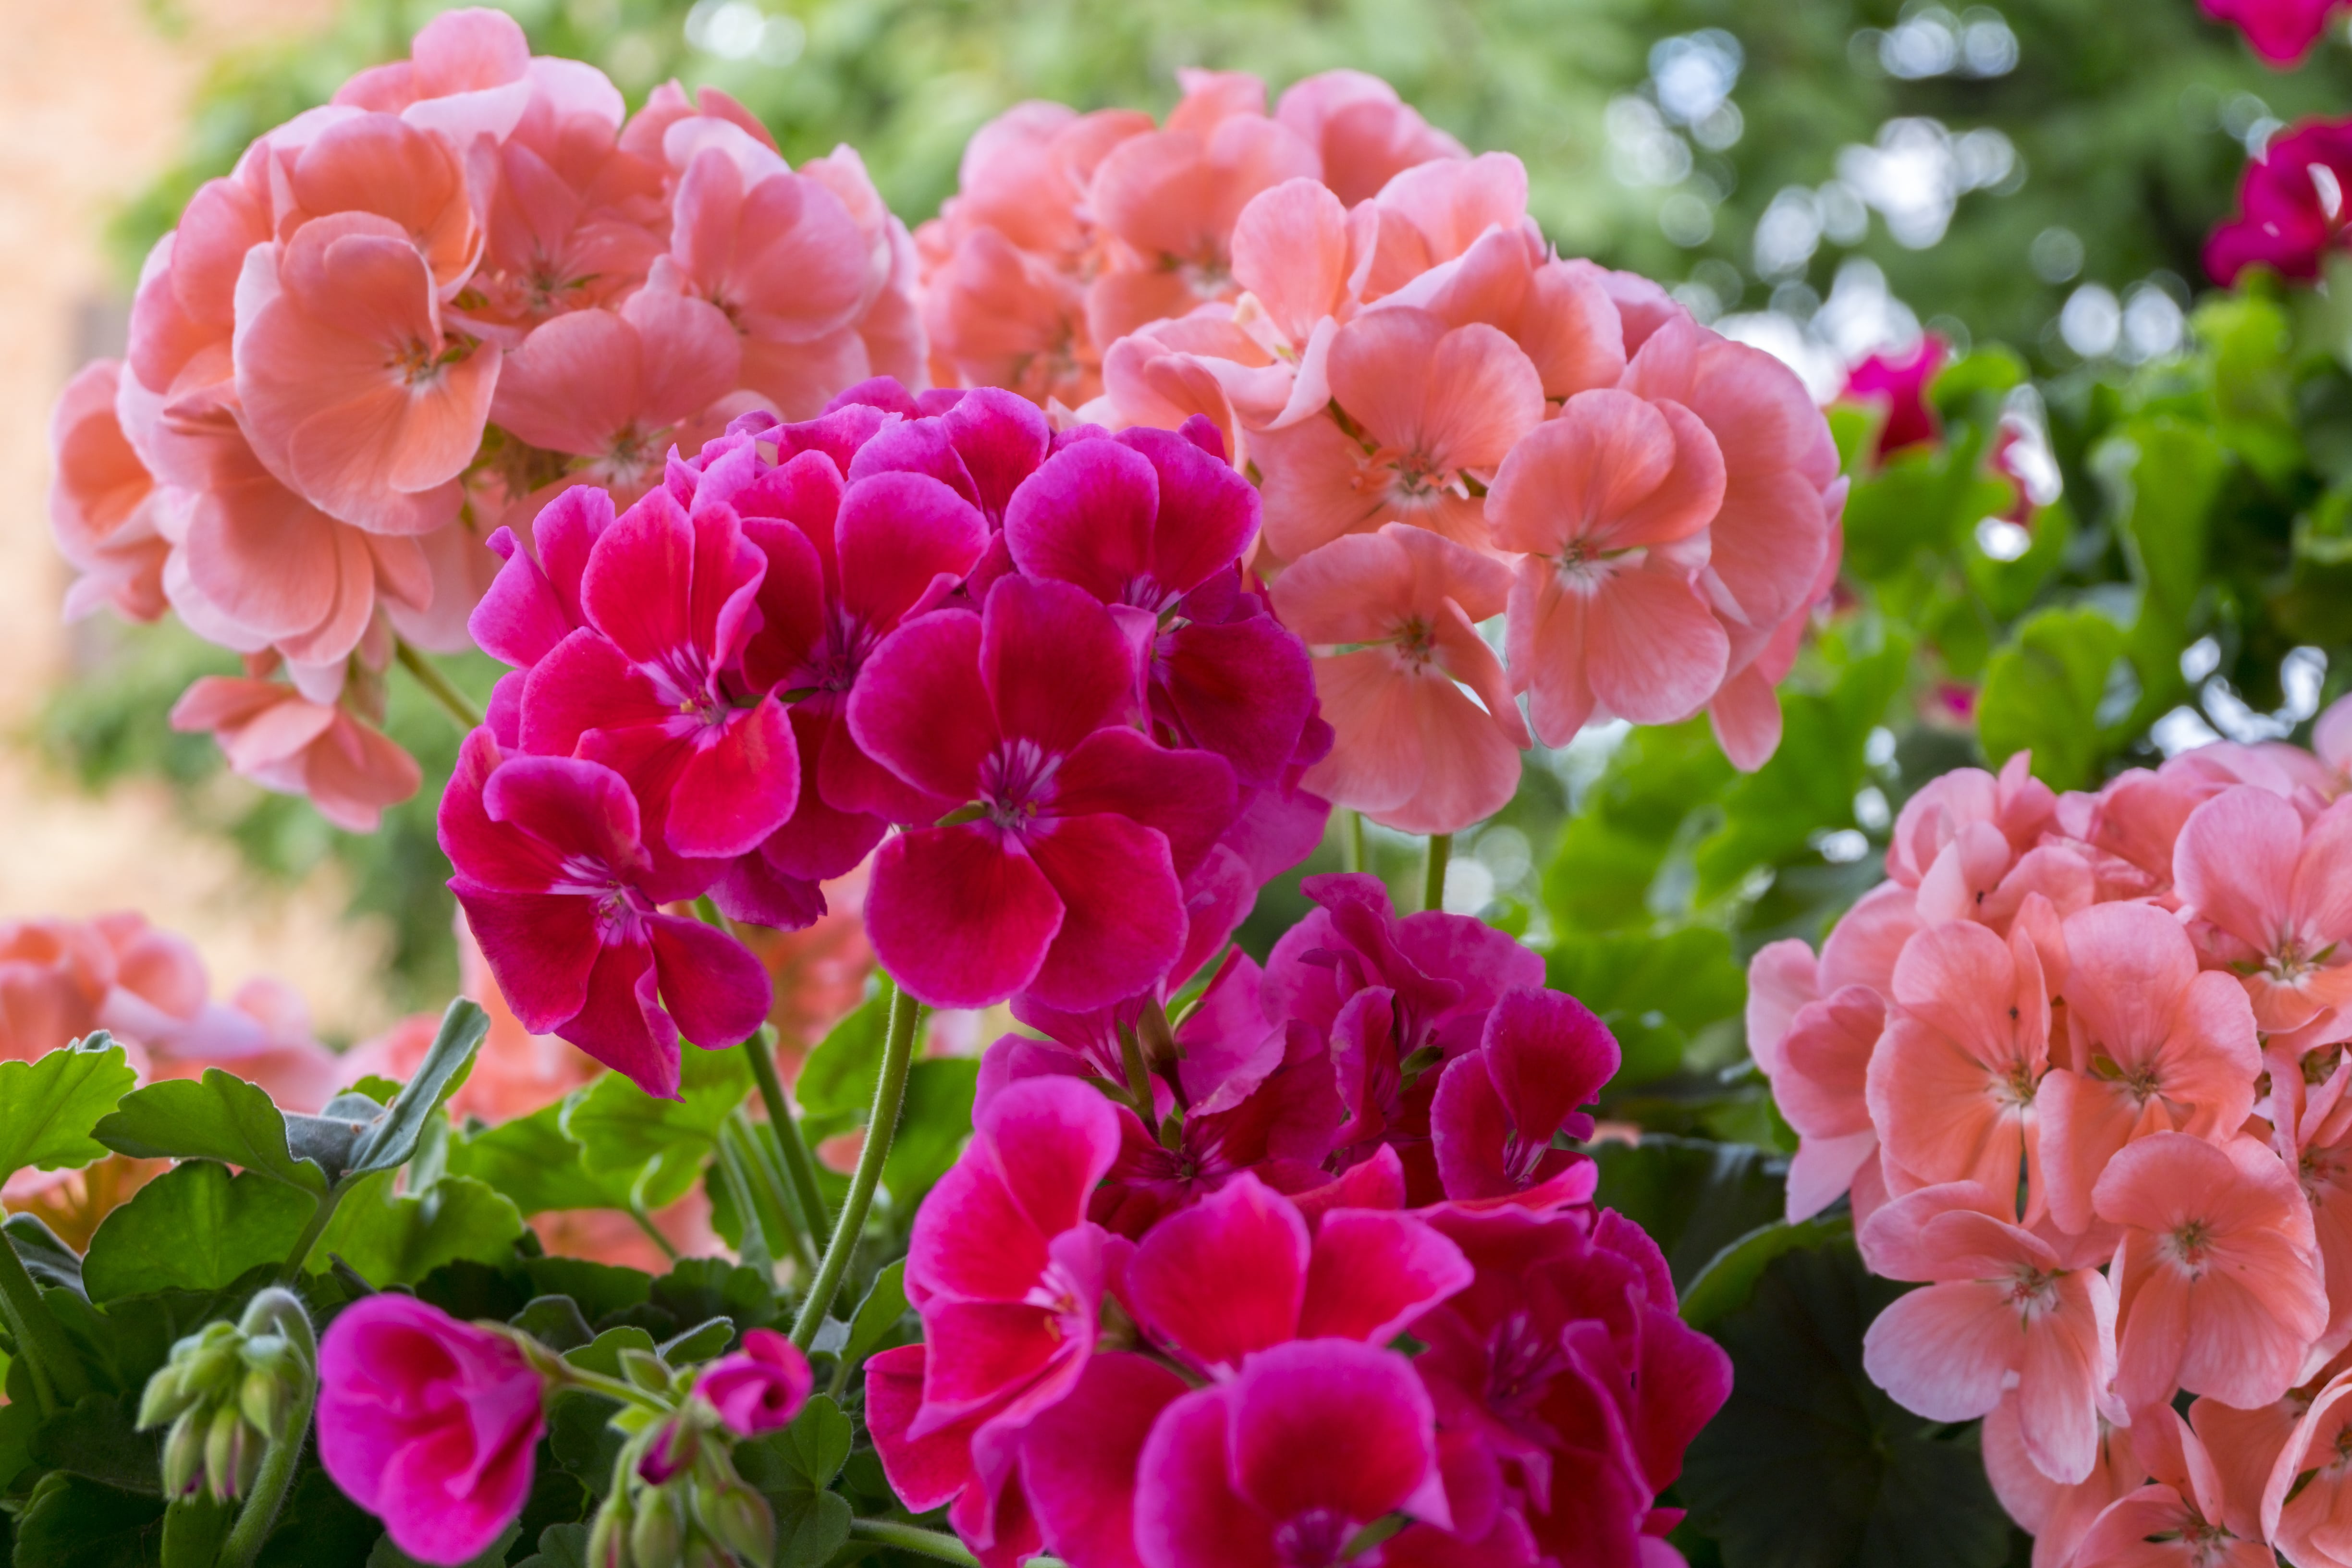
(1321, 1270)
(1039, 654)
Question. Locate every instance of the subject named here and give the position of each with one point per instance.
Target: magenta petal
(1372, 1273)
(980, 1350)
(1085, 518)
(581, 808)
(921, 709)
(566, 532)
(818, 842)
(1327, 1426)
(1187, 795)
(1471, 1128)
(540, 947)
(584, 683)
(1548, 1055)
(1218, 896)
(519, 619)
(1224, 1278)
(638, 588)
(1187, 1514)
(621, 1024)
(1054, 662)
(959, 919)
(898, 534)
(1002, 437)
(714, 987)
(728, 571)
(790, 602)
(915, 446)
(755, 893)
(1243, 691)
(740, 783)
(884, 391)
(1125, 920)
(1079, 1460)
(492, 853)
(926, 1472)
(1208, 512)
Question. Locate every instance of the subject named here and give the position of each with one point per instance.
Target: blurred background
(1821, 177)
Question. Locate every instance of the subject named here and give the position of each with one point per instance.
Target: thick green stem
(270, 1483)
(437, 686)
(291, 1269)
(922, 1542)
(1433, 879)
(58, 1380)
(881, 1126)
(800, 1166)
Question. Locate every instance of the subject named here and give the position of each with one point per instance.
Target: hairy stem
(1433, 880)
(291, 1269)
(881, 1126)
(270, 1483)
(645, 1222)
(800, 1166)
(58, 1379)
(437, 686)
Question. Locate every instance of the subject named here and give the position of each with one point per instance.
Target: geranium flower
(2273, 897)
(2290, 205)
(1543, 1055)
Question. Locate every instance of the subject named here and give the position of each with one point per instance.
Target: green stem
(1357, 859)
(291, 1269)
(270, 1483)
(924, 1543)
(58, 1380)
(645, 1222)
(800, 1166)
(618, 1388)
(1433, 880)
(761, 1157)
(437, 686)
(881, 1126)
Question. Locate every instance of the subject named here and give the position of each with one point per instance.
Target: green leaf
(396, 1240)
(660, 1144)
(793, 1469)
(839, 1076)
(1607, 875)
(49, 1105)
(216, 1117)
(71, 1522)
(603, 1353)
(532, 1161)
(554, 1322)
(560, 1546)
(392, 1137)
(700, 1288)
(1729, 1281)
(195, 1227)
(387, 1556)
(699, 1343)
(1658, 994)
(43, 1252)
(932, 1127)
(2162, 476)
(582, 1438)
(1694, 1197)
(194, 1527)
(2044, 692)
(878, 1316)
(600, 1288)
(1810, 1465)
(96, 1440)
(320, 1528)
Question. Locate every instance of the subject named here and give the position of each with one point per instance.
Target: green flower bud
(224, 1451)
(704, 1553)
(738, 1519)
(608, 1538)
(647, 1370)
(166, 1396)
(265, 1401)
(658, 1534)
(184, 1453)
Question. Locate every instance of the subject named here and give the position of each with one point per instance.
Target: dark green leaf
(532, 1161)
(393, 1239)
(392, 1137)
(1694, 1197)
(74, 1523)
(43, 1252)
(217, 1117)
(1810, 1465)
(1729, 1281)
(582, 1440)
(699, 1343)
(603, 1353)
(659, 1144)
(387, 1556)
(96, 1440)
(195, 1227)
(1658, 994)
(49, 1105)
(700, 1288)
(794, 1467)
(878, 1316)
(320, 1528)
(932, 1127)
(560, 1546)
(194, 1527)
(555, 1322)
(19, 1419)
(600, 1288)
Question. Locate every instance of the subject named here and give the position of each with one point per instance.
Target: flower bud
(608, 1538)
(658, 1534)
(184, 1453)
(647, 1370)
(703, 1552)
(166, 1396)
(265, 1401)
(672, 1449)
(738, 1519)
(225, 1451)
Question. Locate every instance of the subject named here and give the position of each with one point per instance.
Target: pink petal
(1943, 1350)
(1087, 517)
(1655, 653)
(714, 987)
(920, 707)
(959, 920)
(1124, 923)
(1055, 664)
(740, 783)
(1370, 1274)
(1079, 1460)
(1224, 1278)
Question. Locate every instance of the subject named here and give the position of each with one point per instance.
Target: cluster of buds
(228, 1392)
(677, 1497)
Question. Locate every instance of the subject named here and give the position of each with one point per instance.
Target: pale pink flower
(2217, 1276)
(1607, 504)
(383, 165)
(2180, 1520)
(284, 741)
(1410, 750)
(1860, 949)
(469, 72)
(1430, 408)
(2318, 1137)
(1822, 1088)
(2306, 1502)
(104, 506)
(2002, 1310)
(2057, 1515)
(2153, 1046)
(1429, 213)
(2272, 898)
(1363, 132)
(999, 316)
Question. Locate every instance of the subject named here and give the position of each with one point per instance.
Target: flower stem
(645, 1222)
(800, 1166)
(291, 1269)
(1356, 861)
(58, 1380)
(923, 1542)
(270, 1483)
(881, 1126)
(1432, 881)
(437, 686)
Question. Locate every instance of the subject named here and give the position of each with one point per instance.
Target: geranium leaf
(195, 1227)
(392, 1137)
(391, 1239)
(49, 1105)
(216, 1117)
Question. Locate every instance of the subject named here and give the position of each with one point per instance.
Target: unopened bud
(184, 1453)
(647, 1370)
(704, 1553)
(658, 1534)
(739, 1520)
(672, 1449)
(264, 1399)
(608, 1538)
(225, 1451)
(166, 1396)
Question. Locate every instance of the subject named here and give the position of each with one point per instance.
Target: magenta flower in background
(2290, 205)
(1063, 875)
(564, 897)
(428, 1423)
(760, 1387)
(1900, 381)
(2281, 31)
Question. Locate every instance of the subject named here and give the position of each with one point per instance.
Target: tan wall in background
(93, 99)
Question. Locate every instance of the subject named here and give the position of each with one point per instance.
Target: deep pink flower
(428, 1423)
(1151, 522)
(1281, 1465)
(2281, 31)
(565, 898)
(1498, 1108)
(759, 1387)
(1079, 1460)
(1064, 876)
(1900, 386)
(2290, 205)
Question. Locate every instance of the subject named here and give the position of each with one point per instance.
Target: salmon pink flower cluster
(426, 310)
(1164, 1291)
(2080, 1065)
(1037, 655)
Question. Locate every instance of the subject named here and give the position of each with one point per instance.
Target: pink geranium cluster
(1038, 654)
(2081, 1065)
(2290, 216)
(421, 310)
(1162, 1308)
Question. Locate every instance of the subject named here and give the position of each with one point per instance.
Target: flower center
(1416, 644)
(2187, 1245)
(1312, 1540)
(1015, 781)
(1523, 1361)
(2033, 1291)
